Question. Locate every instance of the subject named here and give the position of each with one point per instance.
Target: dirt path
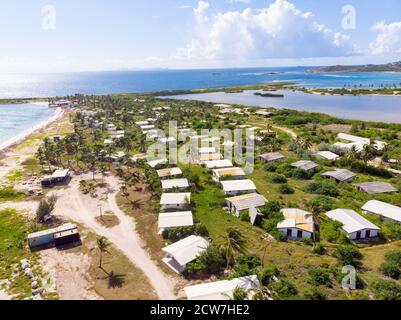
(84, 209)
(289, 131)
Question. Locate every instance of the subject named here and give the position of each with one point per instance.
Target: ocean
(61, 84)
(16, 119)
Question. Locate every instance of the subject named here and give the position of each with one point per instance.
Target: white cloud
(388, 40)
(238, 1)
(278, 31)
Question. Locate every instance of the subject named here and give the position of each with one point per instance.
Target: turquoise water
(18, 118)
(61, 84)
(369, 108)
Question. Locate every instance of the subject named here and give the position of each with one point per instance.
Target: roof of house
(162, 173)
(297, 218)
(175, 183)
(352, 221)
(62, 228)
(187, 250)
(328, 155)
(376, 187)
(247, 201)
(155, 163)
(384, 209)
(238, 185)
(218, 164)
(210, 156)
(60, 174)
(272, 156)
(352, 138)
(221, 290)
(340, 174)
(207, 150)
(168, 139)
(175, 219)
(147, 127)
(228, 172)
(175, 198)
(263, 113)
(142, 123)
(305, 165)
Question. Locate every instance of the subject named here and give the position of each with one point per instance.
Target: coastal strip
(14, 141)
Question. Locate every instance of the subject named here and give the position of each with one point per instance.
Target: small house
(385, 210)
(47, 237)
(239, 204)
(255, 216)
(175, 219)
(233, 173)
(271, 157)
(180, 253)
(297, 224)
(305, 165)
(158, 162)
(327, 155)
(222, 290)
(236, 187)
(175, 201)
(376, 187)
(340, 175)
(180, 184)
(169, 172)
(354, 225)
(215, 164)
(210, 157)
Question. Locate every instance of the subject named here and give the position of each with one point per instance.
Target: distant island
(389, 67)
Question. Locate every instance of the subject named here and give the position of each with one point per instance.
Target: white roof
(247, 201)
(218, 164)
(108, 141)
(238, 185)
(207, 150)
(352, 138)
(175, 198)
(221, 290)
(175, 183)
(305, 165)
(142, 123)
(352, 221)
(175, 219)
(60, 174)
(148, 127)
(187, 250)
(328, 155)
(296, 218)
(155, 163)
(165, 140)
(169, 172)
(228, 172)
(383, 209)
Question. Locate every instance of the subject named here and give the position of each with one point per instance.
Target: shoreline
(14, 141)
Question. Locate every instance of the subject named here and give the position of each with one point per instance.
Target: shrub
(244, 216)
(348, 255)
(268, 273)
(314, 293)
(246, 265)
(285, 189)
(319, 276)
(9, 194)
(176, 234)
(201, 230)
(391, 267)
(271, 167)
(283, 289)
(323, 188)
(46, 207)
(278, 178)
(211, 260)
(321, 204)
(387, 290)
(319, 249)
(272, 207)
(300, 174)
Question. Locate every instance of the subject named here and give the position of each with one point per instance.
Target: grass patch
(14, 228)
(108, 220)
(15, 176)
(9, 194)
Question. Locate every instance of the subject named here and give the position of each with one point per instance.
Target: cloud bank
(278, 31)
(388, 40)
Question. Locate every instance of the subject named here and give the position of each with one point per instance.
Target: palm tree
(233, 243)
(102, 245)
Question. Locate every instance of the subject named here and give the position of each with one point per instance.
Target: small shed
(234, 173)
(386, 210)
(305, 165)
(340, 175)
(271, 157)
(175, 200)
(328, 155)
(181, 184)
(218, 164)
(239, 204)
(235, 187)
(376, 187)
(175, 219)
(169, 172)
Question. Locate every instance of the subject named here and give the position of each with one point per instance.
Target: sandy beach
(22, 136)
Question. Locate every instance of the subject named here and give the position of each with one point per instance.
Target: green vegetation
(9, 194)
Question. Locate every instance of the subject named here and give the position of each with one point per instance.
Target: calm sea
(19, 118)
(60, 84)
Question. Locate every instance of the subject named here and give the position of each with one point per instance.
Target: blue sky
(126, 34)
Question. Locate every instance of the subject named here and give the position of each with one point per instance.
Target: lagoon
(364, 107)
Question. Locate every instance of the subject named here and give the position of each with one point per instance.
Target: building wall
(373, 234)
(173, 206)
(294, 233)
(41, 241)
